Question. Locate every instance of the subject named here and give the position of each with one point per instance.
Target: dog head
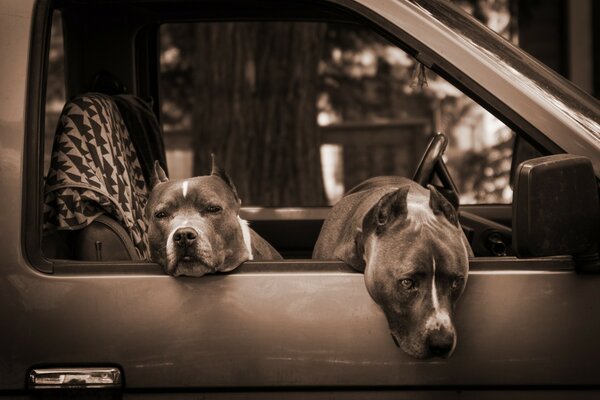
(416, 264)
(194, 226)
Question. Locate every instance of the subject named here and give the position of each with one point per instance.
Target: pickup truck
(528, 322)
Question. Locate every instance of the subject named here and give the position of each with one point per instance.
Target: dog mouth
(194, 260)
(192, 264)
(421, 349)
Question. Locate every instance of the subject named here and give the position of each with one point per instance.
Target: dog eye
(213, 209)
(407, 284)
(160, 215)
(457, 282)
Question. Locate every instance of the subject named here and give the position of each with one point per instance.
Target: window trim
(33, 156)
(479, 265)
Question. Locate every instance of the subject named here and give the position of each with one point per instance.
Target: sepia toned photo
(289, 199)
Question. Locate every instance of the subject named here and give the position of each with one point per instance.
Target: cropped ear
(440, 205)
(219, 172)
(159, 175)
(391, 207)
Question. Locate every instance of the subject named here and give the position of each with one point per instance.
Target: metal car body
(303, 327)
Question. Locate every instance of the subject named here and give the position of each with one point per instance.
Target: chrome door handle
(82, 378)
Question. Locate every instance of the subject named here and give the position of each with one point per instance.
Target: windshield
(567, 99)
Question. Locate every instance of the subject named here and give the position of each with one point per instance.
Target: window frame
(33, 158)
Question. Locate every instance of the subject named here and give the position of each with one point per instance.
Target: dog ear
(219, 172)
(389, 208)
(159, 175)
(440, 205)
(352, 249)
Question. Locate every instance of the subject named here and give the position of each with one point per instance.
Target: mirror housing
(556, 209)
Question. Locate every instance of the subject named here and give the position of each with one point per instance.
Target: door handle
(80, 378)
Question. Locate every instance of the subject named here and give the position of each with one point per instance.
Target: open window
(298, 106)
(301, 112)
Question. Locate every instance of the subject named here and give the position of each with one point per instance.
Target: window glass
(300, 112)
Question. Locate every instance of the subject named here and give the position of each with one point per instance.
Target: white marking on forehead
(184, 187)
(246, 235)
(419, 211)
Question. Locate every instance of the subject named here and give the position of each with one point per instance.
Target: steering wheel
(432, 165)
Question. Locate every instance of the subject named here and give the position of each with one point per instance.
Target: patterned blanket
(94, 170)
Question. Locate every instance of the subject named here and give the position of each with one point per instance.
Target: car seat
(95, 190)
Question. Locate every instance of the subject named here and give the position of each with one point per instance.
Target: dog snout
(441, 342)
(184, 237)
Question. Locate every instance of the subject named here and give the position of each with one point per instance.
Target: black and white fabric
(144, 130)
(94, 170)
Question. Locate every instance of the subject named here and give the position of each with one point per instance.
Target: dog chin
(421, 352)
(189, 266)
(415, 353)
(412, 349)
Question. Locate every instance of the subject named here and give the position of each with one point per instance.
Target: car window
(300, 112)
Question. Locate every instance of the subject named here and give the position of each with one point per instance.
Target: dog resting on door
(194, 227)
(408, 242)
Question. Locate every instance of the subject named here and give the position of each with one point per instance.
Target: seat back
(94, 171)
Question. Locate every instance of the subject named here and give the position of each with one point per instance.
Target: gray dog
(195, 227)
(414, 255)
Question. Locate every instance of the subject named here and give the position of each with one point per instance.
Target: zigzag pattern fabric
(94, 170)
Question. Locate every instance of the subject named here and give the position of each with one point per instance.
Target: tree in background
(484, 169)
(359, 75)
(247, 92)
(253, 93)
(255, 107)
(366, 80)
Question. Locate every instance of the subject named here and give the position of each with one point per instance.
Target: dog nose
(184, 236)
(440, 343)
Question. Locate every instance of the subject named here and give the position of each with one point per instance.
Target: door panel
(311, 328)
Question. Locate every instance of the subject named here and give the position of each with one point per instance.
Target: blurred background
(300, 112)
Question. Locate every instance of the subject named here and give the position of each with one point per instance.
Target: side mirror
(556, 209)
